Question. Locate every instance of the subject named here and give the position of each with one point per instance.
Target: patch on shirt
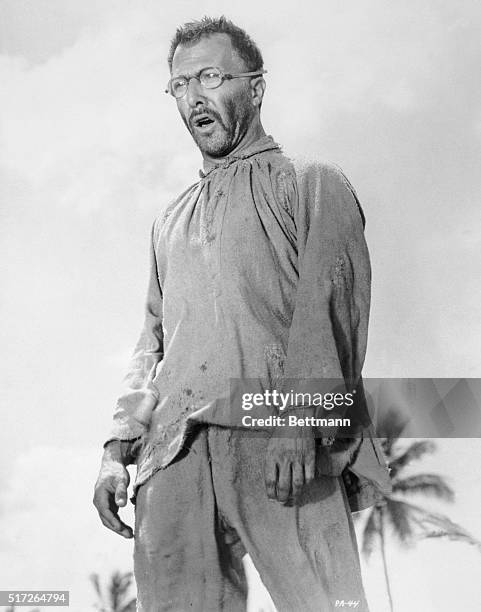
(341, 273)
(283, 192)
(275, 357)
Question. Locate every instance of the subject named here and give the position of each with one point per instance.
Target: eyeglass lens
(209, 77)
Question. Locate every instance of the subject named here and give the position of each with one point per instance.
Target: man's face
(218, 119)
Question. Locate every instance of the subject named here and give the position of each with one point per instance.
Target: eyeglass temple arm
(244, 74)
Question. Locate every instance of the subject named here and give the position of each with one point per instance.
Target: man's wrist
(300, 427)
(122, 451)
(304, 424)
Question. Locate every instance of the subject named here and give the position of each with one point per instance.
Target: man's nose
(195, 93)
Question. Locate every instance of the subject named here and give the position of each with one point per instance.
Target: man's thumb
(121, 494)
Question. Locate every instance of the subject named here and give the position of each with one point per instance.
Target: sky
(91, 150)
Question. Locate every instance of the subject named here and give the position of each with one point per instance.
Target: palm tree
(116, 598)
(409, 522)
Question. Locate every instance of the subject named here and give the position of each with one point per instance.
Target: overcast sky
(92, 150)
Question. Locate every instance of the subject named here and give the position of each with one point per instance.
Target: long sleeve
(328, 336)
(135, 405)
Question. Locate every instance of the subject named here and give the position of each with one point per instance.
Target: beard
(227, 131)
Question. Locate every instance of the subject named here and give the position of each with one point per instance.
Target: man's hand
(111, 489)
(290, 465)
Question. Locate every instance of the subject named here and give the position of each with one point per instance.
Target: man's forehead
(213, 50)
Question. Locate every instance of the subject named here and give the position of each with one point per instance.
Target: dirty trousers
(196, 519)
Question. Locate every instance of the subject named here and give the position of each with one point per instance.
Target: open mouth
(203, 121)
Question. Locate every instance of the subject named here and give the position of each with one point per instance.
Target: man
(259, 271)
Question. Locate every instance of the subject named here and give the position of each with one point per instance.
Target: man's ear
(258, 87)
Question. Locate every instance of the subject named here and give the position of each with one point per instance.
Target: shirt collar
(264, 143)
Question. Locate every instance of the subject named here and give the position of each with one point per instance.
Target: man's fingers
(271, 471)
(310, 467)
(119, 526)
(107, 509)
(111, 520)
(121, 494)
(297, 478)
(284, 482)
(290, 465)
(116, 525)
(125, 531)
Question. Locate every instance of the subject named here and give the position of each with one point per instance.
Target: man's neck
(253, 134)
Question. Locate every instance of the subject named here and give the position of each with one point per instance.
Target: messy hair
(191, 32)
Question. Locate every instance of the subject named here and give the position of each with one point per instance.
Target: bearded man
(259, 271)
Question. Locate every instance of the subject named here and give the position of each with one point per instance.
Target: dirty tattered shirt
(259, 270)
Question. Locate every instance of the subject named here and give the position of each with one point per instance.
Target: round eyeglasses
(210, 78)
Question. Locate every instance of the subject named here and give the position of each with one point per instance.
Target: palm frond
(400, 516)
(391, 425)
(408, 521)
(446, 528)
(433, 524)
(414, 451)
(427, 484)
(387, 446)
(114, 590)
(119, 585)
(122, 582)
(129, 606)
(95, 580)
